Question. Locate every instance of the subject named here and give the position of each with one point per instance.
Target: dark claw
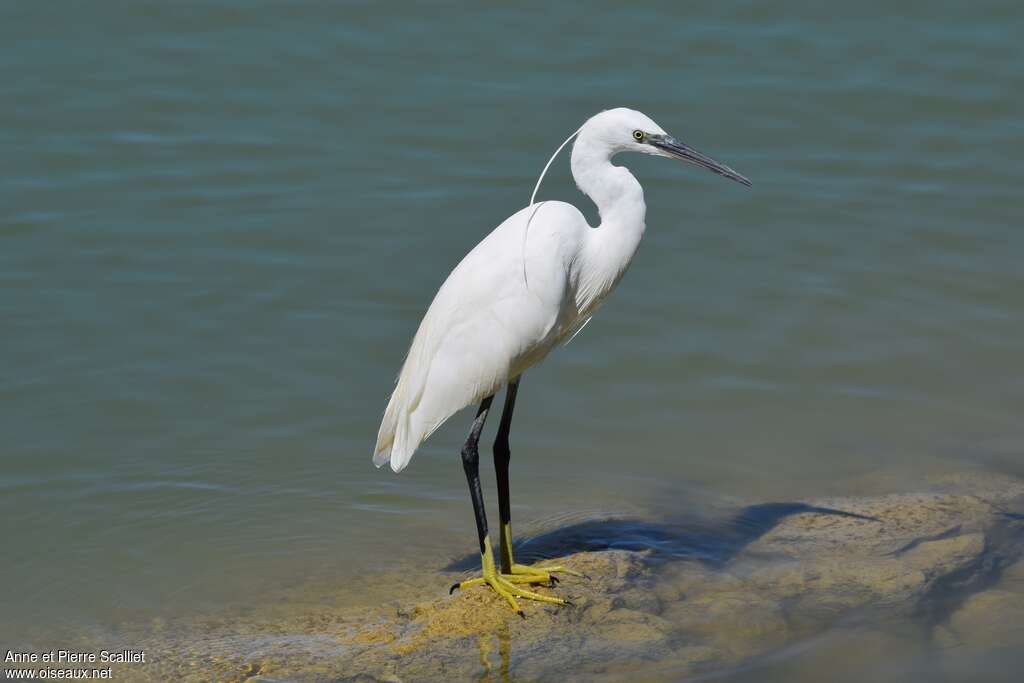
(455, 587)
(554, 580)
(522, 614)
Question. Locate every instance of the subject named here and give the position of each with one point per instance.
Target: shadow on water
(714, 544)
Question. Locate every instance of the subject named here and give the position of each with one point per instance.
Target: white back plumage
(488, 323)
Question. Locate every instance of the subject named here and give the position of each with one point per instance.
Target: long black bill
(679, 150)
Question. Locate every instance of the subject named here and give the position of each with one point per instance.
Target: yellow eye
(638, 135)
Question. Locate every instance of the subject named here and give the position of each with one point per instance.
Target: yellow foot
(508, 586)
(522, 569)
(509, 567)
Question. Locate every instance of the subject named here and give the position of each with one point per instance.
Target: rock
(741, 588)
(1012, 577)
(987, 620)
(982, 638)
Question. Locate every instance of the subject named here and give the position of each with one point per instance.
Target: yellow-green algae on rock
(935, 556)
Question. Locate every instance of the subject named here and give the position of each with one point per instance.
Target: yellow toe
(509, 586)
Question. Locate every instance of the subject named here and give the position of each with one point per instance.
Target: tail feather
(389, 428)
(382, 456)
(404, 446)
(432, 386)
(401, 433)
(410, 418)
(396, 440)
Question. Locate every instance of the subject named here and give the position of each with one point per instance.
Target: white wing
(486, 325)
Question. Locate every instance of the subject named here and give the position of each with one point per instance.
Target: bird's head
(627, 130)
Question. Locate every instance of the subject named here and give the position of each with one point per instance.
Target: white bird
(529, 286)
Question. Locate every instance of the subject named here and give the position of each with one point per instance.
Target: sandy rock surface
(705, 597)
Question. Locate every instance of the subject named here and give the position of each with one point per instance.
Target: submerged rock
(704, 596)
(985, 630)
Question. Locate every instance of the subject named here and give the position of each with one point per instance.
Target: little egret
(530, 285)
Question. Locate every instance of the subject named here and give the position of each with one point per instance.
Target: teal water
(221, 222)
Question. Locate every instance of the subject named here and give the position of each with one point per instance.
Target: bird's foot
(547, 572)
(510, 567)
(509, 586)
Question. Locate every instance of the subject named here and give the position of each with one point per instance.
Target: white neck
(610, 247)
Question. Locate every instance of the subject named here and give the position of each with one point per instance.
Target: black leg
(502, 456)
(471, 464)
(507, 588)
